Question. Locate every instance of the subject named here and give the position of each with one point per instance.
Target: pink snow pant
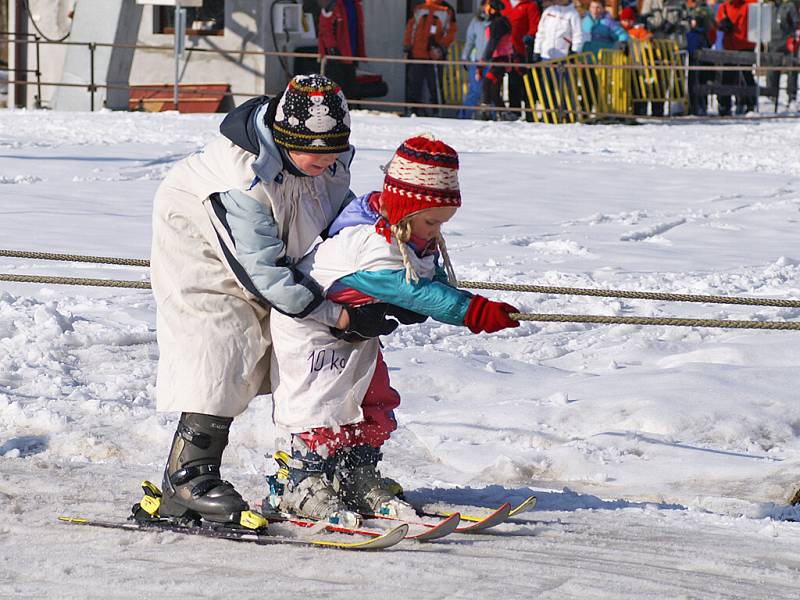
(378, 405)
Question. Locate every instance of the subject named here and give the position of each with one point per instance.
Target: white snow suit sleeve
(578, 35)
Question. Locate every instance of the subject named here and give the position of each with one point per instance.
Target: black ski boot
(304, 486)
(364, 489)
(192, 485)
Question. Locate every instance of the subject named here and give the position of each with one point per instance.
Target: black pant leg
(724, 100)
(415, 82)
(748, 101)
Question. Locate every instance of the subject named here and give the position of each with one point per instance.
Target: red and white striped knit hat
(422, 174)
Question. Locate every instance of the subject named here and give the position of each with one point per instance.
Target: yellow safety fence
(613, 84)
(454, 77)
(659, 85)
(565, 90)
(582, 86)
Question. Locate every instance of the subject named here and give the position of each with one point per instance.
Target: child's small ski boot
(364, 489)
(303, 487)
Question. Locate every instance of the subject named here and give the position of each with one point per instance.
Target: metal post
(670, 93)
(176, 27)
(180, 44)
(758, 54)
(92, 86)
(561, 90)
(438, 98)
(37, 101)
(20, 56)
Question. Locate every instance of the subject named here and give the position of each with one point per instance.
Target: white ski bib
(319, 380)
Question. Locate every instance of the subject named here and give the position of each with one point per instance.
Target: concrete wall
(248, 26)
(245, 30)
(384, 24)
(106, 22)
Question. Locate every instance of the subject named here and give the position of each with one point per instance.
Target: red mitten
(485, 315)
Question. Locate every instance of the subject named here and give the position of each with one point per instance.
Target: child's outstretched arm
(436, 299)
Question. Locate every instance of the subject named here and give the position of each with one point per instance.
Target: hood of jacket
(248, 126)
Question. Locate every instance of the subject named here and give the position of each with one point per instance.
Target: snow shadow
(24, 446)
(676, 444)
(72, 158)
(565, 500)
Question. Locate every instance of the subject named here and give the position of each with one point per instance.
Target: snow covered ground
(662, 457)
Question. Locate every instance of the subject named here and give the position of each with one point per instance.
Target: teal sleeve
(620, 33)
(433, 298)
(586, 24)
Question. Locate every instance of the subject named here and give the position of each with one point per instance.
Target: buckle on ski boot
(147, 508)
(252, 520)
(276, 484)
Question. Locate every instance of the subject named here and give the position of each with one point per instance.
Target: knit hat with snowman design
(312, 116)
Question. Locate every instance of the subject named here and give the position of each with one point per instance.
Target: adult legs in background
(724, 101)
(516, 91)
(698, 103)
(432, 84)
(746, 102)
(791, 79)
(473, 95)
(490, 95)
(416, 79)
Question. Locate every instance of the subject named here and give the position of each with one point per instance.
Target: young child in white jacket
(331, 389)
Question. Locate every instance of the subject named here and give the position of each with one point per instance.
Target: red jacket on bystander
(736, 12)
(524, 19)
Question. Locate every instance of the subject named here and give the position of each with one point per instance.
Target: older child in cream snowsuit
(228, 225)
(331, 389)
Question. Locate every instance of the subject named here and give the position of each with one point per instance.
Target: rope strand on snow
(105, 260)
(558, 318)
(472, 285)
(671, 321)
(142, 285)
(543, 289)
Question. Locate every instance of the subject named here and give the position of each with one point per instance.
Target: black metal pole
(92, 86)
(20, 55)
(561, 92)
(38, 99)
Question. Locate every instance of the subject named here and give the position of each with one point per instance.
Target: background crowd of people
(529, 31)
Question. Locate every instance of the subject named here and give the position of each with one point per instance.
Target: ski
(431, 531)
(261, 537)
(499, 515)
(475, 523)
